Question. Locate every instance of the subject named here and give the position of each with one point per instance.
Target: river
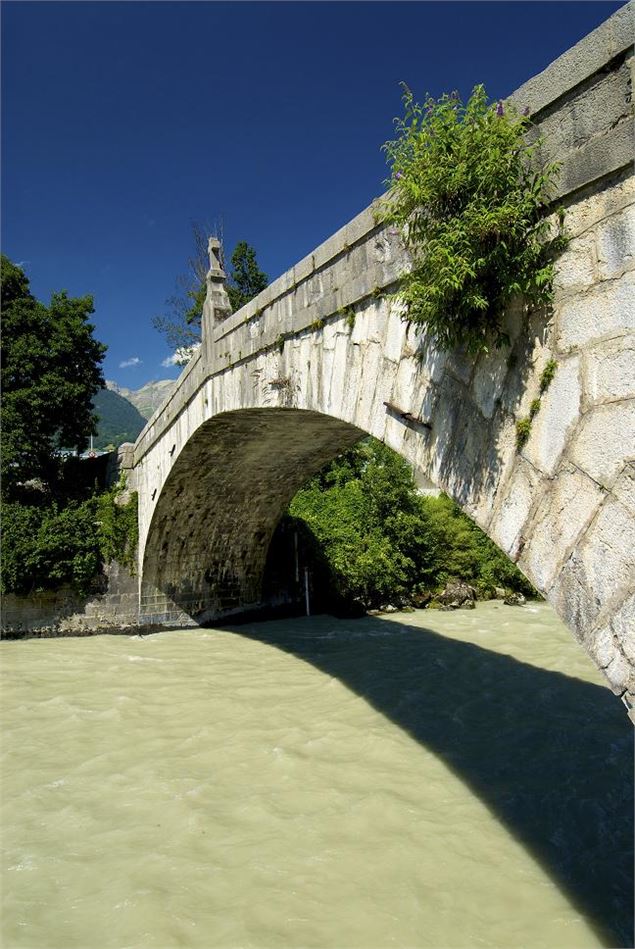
(418, 780)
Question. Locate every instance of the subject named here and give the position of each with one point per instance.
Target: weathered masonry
(321, 357)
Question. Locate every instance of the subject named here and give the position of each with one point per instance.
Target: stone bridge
(321, 358)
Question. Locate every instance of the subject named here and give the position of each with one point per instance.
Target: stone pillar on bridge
(217, 306)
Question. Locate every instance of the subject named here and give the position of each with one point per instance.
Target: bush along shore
(372, 542)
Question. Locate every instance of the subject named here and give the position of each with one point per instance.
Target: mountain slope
(119, 420)
(148, 398)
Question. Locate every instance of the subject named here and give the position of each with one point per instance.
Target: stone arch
(213, 522)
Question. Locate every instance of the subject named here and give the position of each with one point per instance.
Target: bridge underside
(210, 534)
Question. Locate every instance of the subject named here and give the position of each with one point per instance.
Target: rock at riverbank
(514, 599)
(458, 595)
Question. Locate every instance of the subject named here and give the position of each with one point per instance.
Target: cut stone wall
(63, 612)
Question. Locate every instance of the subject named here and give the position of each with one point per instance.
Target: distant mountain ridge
(122, 413)
(148, 398)
(118, 420)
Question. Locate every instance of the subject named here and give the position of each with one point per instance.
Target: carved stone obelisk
(217, 306)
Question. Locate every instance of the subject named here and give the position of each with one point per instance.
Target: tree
(50, 372)
(181, 324)
(246, 280)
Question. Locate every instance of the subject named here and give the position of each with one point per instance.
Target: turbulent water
(421, 780)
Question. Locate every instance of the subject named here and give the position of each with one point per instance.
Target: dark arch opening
(214, 520)
(219, 541)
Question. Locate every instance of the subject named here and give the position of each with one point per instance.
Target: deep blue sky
(122, 122)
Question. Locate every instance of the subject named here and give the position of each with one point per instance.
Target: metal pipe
(306, 591)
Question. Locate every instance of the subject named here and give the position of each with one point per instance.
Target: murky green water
(424, 780)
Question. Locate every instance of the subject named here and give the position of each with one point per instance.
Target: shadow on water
(550, 755)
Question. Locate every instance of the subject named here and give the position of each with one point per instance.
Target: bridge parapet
(359, 262)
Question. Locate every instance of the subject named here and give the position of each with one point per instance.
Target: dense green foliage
(46, 547)
(118, 420)
(50, 374)
(118, 526)
(49, 545)
(181, 325)
(246, 279)
(384, 542)
(58, 527)
(469, 200)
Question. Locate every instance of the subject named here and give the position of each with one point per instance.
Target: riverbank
(62, 615)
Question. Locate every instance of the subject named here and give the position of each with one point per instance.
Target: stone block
(604, 441)
(614, 645)
(488, 380)
(303, 269)
(559, 411)
(329, 303)
(360, 286)
(369, 374)
(575, 268)
(499, 459)
(457, 441)
(606, 311)
(597, 158)
(359, 332)
(329, 332)
(585, 113)
(460, 365)
(609, 372)
(428, 404)
(522, 382)
(376, 316)
(255, 328)
(406, 387)
(616, 243)
(361, 226)
(624, 487)
(281, 285)
(566, 510)
(324, 255)
(326, 373)
(600, 570)
(395, 335)
(377, 416)
(394, 434)
(516, 498)
(578, 63)
(381, 247)
(339, 376)
(353, 385)
(315, 289)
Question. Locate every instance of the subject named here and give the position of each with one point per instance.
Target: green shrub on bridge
(469, 199)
